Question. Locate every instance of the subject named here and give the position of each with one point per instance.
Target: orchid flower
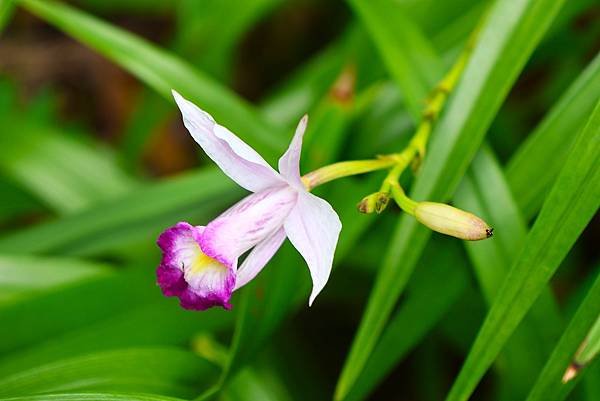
(200, 263)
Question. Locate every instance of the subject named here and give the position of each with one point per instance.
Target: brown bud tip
(570, 373)
(449, 220)
(363, 206)
(375, 202)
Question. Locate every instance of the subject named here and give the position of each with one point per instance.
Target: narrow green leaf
(206, 36)
(25, 275)
(163, 72)
(65, 308)
(208, 33)
(92, 397)
(423, 307)
(591, 385)
(7, 8)
(591, 346)
(408, 57)
(253, 384)
(485, 192)
(139, 215)
(549, 386)
(510, 33)
(166, 371)
(63, 173)
(572, 202)
(158, 322)
(528, 172)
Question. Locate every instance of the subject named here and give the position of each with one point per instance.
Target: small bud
(570, 373)
(376, 202)
(449, 220)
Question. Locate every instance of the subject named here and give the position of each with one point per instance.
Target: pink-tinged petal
(313, 227)
(186, 272)
(247, 223)
(289, 163)
(259, 257)
(237, 160)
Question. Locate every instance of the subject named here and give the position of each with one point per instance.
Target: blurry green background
(95, 163)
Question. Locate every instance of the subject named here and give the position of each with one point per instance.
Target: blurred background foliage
(95, 163)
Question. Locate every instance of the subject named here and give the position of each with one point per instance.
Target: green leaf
(572, 202)
(548, 386)
(251, 385)
(424, 306)
(26, 275)
(528, 172)
(408, 57)
(92, 397)
(163, 72)
(205, 36)
(591, 347)
(510, 33)
(135, 216)
(7, 8)
(157, 322)
(63, 173)
(166, 371)
(485, 192)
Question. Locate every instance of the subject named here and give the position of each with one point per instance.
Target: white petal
(247, 223)
(313, 227)
(259, 257)
(289, 163)
(238, 160)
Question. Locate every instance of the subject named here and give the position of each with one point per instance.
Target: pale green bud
(449, 220)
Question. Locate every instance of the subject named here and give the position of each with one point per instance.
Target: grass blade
(117, 223)
(92, 397)
(528, 172)
(25, 275)
(424, 306)
(158, 322)
(166, 371)
(63, 173)
(408, 57)
(508, 37)
(549, 386)
(163, 72)
(485, 192)
(572, 202)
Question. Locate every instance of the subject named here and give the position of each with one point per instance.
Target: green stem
(345, 169)
(404, 202)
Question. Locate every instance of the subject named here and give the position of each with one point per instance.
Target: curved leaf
(571, 204)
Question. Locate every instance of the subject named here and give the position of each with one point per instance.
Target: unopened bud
(376, 202)
(571, 372)
(449, 220)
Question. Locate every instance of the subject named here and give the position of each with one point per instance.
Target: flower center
(202, 262)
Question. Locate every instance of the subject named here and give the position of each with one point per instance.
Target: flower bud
(449, 220)
(376, 202)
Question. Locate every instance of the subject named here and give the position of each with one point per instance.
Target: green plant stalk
(345, 169)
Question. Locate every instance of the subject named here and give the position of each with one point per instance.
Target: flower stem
(414, 151)
(404, 202)
(344, 169)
